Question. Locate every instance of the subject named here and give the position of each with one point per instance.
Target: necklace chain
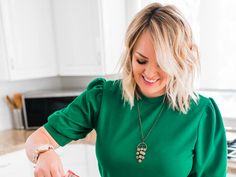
(153, 125)
(142, 146)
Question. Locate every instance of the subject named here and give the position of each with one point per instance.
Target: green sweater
(180, 145)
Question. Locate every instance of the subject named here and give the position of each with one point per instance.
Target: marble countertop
(13, 140)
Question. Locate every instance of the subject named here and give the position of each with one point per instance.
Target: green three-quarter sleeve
(79, 117)
(210, 154)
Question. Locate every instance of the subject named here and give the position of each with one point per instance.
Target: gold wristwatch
(39, 150)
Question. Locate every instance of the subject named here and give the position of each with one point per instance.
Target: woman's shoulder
(96, 83)
(206, 105)
(206, 101)
(104, 84)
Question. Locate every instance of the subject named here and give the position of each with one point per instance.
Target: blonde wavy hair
(176, 52)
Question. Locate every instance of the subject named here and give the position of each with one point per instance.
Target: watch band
(39, 150)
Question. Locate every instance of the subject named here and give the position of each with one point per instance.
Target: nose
(151, 71)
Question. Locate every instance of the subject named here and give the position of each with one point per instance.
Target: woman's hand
(49, 165)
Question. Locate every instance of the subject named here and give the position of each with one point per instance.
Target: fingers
(61, 170)
(40, 172)
(49, 165)
(44, 172)
(56, 173)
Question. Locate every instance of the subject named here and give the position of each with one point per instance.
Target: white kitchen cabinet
(15, 164)
(92, 161)
(80, 158)
(27, 43)
(89, 36)
(74, 157)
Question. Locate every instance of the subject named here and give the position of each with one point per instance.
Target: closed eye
(141, 61)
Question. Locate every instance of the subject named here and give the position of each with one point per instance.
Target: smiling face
(149, 77)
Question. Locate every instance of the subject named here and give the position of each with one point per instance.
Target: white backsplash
(11, 87)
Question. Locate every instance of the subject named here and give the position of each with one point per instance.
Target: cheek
(137, 69)
(134, 68)
(165, 77)
(136, 72)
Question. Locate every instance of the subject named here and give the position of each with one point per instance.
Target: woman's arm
(210, 154)
(70, 123)
(48, 163)
(36, 139)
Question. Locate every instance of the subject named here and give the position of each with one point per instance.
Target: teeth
(151, 81)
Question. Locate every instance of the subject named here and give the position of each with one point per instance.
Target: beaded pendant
(141, 152)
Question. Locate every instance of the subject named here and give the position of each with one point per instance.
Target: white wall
(209, 51)
(10, 87)
(217, 44)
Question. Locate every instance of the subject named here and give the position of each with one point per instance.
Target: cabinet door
(3, 61)
(28, 38)
(74, 157)
(93, 169)
(15, 164)
(78, 37)
(89, 35)
(114, 25)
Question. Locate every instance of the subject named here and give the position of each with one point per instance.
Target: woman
(151, 123)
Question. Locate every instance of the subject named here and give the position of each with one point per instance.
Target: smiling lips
(150, 81)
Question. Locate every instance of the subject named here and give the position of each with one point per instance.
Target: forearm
(36, 139)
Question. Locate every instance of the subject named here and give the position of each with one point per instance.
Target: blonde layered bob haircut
(176, 52)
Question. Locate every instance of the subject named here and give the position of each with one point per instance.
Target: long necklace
(142, 146)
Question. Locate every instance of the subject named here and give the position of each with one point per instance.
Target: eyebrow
(141, 55)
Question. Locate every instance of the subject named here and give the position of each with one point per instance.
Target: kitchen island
(13, 140)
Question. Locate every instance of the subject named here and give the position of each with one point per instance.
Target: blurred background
(51, 49)
(59, 44)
